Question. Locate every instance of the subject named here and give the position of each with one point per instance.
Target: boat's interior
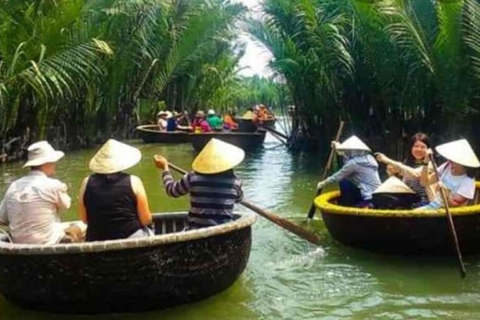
(163, 223)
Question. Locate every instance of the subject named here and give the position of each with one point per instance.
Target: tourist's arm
(403, 169)
(176, 188)
(341, 174)
(82, 211)
(63, 200)
(173, 188)
(238, 189)
(427, 178)
(143, 209)
(3, 213)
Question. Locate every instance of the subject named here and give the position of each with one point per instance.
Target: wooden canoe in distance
(401, 231)
(172, 268)
(247, 125)
(245, 140)
(151, 134)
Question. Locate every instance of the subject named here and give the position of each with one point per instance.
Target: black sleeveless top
(111, 207)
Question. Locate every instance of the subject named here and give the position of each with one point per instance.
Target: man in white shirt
(32, 204)
(162, 120)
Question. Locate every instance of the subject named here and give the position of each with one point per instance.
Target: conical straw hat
(393, 185)
(217, 156)
(460, 152)
(353, 143)
(114, 156)
(248, 115)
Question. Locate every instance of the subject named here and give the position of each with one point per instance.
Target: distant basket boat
(247, 125)
(401, 231)
(245, 140)
(151, 134)
(164, 271)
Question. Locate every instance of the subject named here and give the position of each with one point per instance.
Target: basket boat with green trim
(151, 134)
(245, 140)
(169, 269)
(401, 231)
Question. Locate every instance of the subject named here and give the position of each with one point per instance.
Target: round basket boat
(169, 269)
(401, 231)
(247, 125)
(245, 140)
(151, 134)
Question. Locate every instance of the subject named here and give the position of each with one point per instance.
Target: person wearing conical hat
(213, 186)
(411, 168)
(358, 178)
(394, 194)
(32, 205)
(200, 124)
(456, 175)
(112, 203)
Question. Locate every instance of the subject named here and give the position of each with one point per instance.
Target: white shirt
(458, 185)
(31, 209)
(162, 124)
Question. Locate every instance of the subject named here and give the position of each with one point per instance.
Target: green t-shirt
(215, 122)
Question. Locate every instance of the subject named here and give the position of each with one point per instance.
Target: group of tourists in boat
(413, 183)
(207, 122)
(113, 204)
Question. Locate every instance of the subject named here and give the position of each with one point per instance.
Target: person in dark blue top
(173, 123)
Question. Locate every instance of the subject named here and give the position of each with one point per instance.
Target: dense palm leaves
(82, 70)
(388, 67)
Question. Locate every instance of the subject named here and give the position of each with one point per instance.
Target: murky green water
(286, 278)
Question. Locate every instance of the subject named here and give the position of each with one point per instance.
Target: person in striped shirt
(213, 186)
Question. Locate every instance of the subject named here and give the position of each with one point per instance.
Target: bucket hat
(40, 153)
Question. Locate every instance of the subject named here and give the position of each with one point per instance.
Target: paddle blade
(313, 208)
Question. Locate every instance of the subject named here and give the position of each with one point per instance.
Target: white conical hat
(394, 185)
(217, 156)
(353, 143)
(114, 156)
(460, 152)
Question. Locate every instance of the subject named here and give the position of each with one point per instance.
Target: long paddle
(451, 226)
(311, 212)
(293, 228)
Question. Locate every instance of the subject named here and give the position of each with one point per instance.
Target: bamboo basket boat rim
(323, 202)
(245, 219)
(149, 128)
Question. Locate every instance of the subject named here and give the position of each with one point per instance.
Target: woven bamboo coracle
(401, 231)
(164, 271)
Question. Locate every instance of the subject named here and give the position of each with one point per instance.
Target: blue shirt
(171, 124)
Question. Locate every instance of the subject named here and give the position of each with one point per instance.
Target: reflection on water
(287, 278)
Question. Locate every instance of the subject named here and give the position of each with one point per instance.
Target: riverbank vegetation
(389, 68)
(79, 71)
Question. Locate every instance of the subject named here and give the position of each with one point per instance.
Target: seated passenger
(213, 186)
(358, 178)
(173, 122)
(215, 122)
(229, 122)
(394, 194)
(114, 204)
(411, 169)
(200, 124)
(32, 204)
(456, 175)
(162, 120)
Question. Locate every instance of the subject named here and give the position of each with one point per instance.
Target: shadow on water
(287, 278)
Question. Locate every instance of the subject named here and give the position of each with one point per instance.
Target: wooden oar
(451, 225)
(280, 134)
(293, 228)
(311, 212)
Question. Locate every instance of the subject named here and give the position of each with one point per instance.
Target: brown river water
(286, 278)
